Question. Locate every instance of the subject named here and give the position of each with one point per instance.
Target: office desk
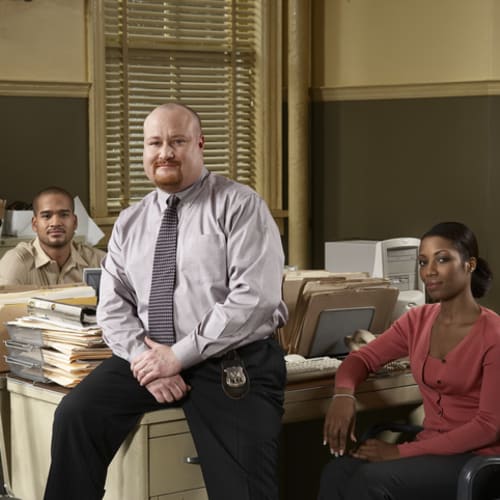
(310, 400)
(162, 439)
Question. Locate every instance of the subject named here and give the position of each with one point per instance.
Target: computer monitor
(334, 325)
(92, 277)
(395, 259)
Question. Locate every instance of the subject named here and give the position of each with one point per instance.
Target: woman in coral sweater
(454, 350)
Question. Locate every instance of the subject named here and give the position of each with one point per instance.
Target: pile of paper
(55, 342)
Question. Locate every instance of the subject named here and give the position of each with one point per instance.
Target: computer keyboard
(300, 368)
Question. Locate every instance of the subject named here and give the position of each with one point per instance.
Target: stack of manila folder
(307, 293)
(14, 300)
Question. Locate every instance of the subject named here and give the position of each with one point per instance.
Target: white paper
(18, 223)
(86, 226)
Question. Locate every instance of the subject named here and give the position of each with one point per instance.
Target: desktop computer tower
(395, 259)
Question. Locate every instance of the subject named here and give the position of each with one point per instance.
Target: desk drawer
(168, 473)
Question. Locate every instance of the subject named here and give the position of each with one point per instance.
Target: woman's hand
(375, 450)
(340, 424)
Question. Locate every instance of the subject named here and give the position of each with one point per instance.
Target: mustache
(163, 163)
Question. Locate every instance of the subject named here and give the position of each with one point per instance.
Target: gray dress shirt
(229, 272)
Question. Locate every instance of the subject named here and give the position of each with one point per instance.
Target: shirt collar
(42, 259)
(184, 195)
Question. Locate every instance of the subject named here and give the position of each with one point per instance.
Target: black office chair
(478, 479)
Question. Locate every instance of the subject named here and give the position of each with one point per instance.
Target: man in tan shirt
(52, 257)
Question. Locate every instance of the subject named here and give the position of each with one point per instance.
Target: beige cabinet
(149, 465)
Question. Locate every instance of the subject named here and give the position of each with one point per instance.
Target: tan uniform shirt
(28, 264)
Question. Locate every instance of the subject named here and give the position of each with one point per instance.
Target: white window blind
(199, 52)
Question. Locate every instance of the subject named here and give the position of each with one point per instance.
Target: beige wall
(43, 40)
(43, 97)
(397, 42)
(405, 119)
(496, 40)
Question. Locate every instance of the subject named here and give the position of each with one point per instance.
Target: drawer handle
(192, 460)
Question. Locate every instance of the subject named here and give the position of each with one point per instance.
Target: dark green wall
(389, 168)
(43, 142)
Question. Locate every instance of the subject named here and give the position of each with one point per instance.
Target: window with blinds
(200, 52)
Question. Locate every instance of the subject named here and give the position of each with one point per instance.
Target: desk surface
(307, 400)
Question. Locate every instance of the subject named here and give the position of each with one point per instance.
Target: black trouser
(236, 440)
(426, 477)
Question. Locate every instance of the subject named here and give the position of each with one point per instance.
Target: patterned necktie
(161, 298)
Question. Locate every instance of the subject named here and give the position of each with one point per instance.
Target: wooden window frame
(268, 109)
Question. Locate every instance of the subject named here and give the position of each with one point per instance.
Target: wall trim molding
(407, 91)
(44, 89)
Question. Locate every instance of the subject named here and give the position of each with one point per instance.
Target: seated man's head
(54, 219)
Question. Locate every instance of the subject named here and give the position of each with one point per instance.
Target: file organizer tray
(24, 335)
(24, 352)
(27, 370)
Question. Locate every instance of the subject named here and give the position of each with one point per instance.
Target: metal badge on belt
(235, 381)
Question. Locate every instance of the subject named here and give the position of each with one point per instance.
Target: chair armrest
(469, 472)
